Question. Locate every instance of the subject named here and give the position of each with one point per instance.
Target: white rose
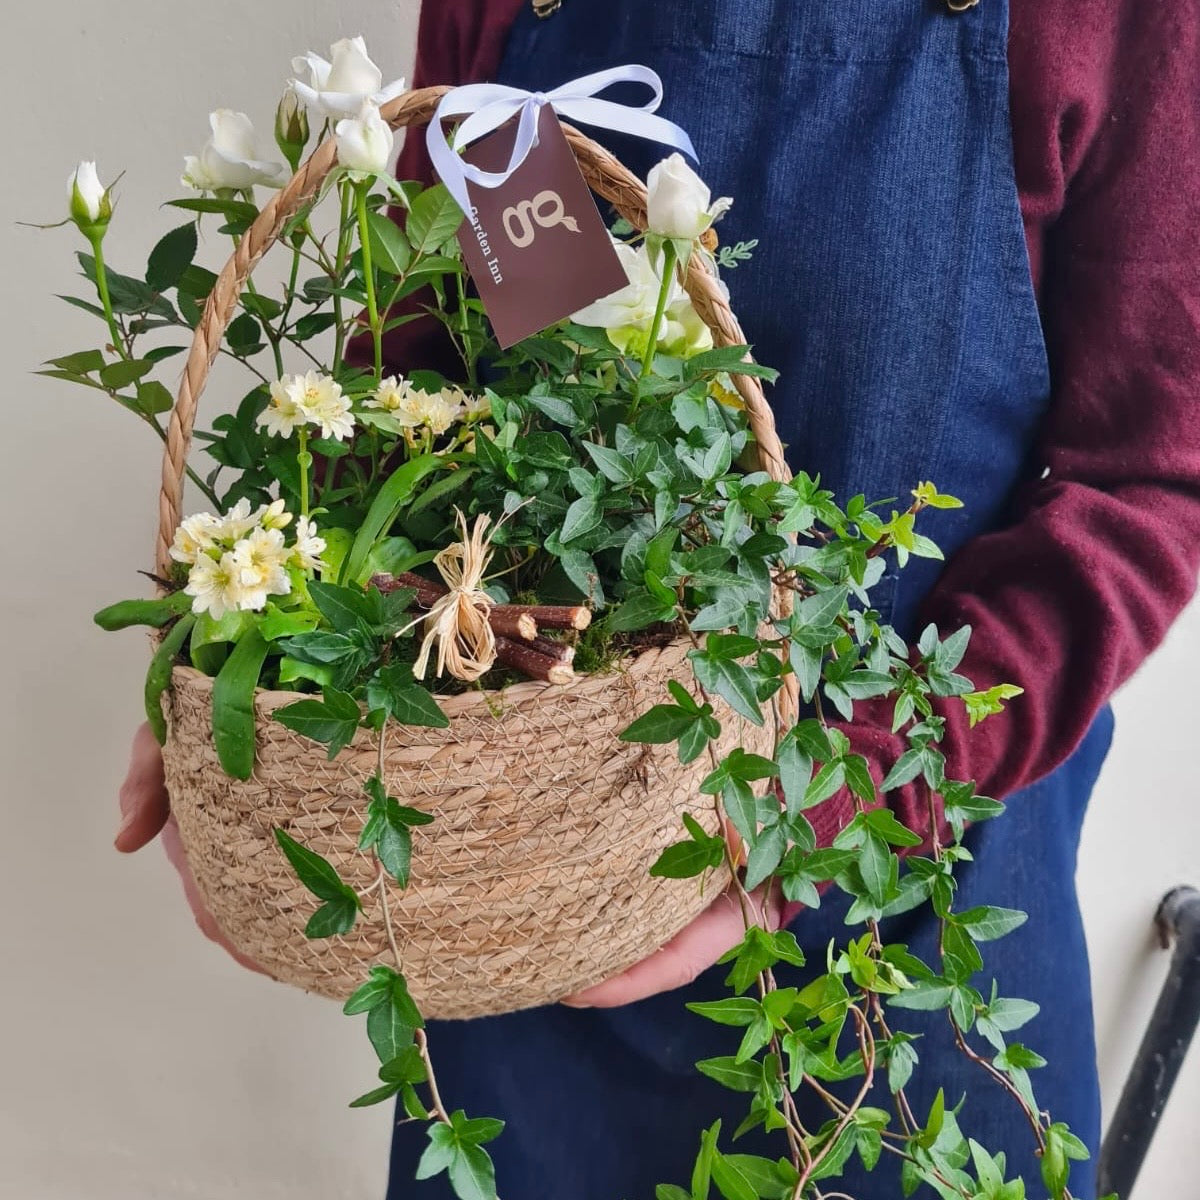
(678, 202)
(364, 142)
(87, 196)
(339, 87)
(634, 304)
(229, 158)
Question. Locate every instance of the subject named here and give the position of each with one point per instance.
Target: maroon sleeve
(1103, 550)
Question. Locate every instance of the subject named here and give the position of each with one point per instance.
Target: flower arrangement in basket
(475, 688)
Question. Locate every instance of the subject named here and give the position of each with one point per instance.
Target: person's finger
(205, 921)
(690, 952)
(143, 795)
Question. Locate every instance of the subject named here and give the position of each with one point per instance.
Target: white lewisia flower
(477, 408)
(195, 535)
(338, 88)
(236, 523)
(678, 202)
(309, 547)
(389, 395)
(327, 407)
(229, 158)
(87, 197)
(285, 410)
(364, 142)
(262, 566)
(216, 587)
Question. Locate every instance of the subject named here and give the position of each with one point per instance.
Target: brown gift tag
(536, 246)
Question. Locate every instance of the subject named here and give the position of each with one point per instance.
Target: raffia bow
(457, 623)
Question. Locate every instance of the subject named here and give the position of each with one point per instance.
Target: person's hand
(694, 949)
(146, 813)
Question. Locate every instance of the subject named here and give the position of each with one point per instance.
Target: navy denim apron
(867, 145)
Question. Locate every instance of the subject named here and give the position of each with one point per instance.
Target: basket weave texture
(533, 881)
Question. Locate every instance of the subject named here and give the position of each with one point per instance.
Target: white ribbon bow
(487, 106)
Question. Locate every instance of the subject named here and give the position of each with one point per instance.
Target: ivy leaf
(394, 689)
(986, 923)
(730, 680)
(333, 917)
(736, 1010)
(728, 1072)
(315, 872)
(391, 1025)
(332, 720)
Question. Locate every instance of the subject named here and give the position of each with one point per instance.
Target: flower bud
(364, 143)
(678, 202)
(89, 200)
(291, 127)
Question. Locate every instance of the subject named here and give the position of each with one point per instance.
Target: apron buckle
(546, 8)
(960, 6)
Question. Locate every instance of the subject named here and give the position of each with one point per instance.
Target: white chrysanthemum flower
(262, 562)
(195, 535)
(216, 586)
(236, 523)
(274, 515)
(321, 398)
(286, 410)
(309, 547)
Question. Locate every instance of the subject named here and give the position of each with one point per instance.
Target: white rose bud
(679, 204)
(229, 159)
(291, 127)
(89, 202)
(338, 88)
(364, 143)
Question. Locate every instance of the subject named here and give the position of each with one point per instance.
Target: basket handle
(606, 176)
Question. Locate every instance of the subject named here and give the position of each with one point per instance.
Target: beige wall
(135, 1061)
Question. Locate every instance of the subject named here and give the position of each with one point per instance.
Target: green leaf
(376, 991)
(171, 257)
(333, 917)
(730, 680)
(433, 219)
(728, 1072)
(736, 1010)
(730, 1181)
(158, 674)
(986, 923)
(472, 1174)
(233, 704)
(407, 1067)
(582, 517)
(378, 1096)
(153, 398)
(391, 1026)
(385, 508)
(318, 875)
(344, 607)
(123, 372)
(155, 613)
(641, 609)
(613, 465)
(770, 1180)
(827, 781)
(684, 860)
(389, 247)
(858, 779)
(332, 720)
(663, 723)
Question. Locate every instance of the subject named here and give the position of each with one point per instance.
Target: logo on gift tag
(545, 209)
(536, 246)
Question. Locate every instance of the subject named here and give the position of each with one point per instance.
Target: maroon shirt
(1102, 553)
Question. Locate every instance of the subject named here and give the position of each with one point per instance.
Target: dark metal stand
(1163, 1047)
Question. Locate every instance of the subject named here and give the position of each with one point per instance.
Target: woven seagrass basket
(533, 880)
